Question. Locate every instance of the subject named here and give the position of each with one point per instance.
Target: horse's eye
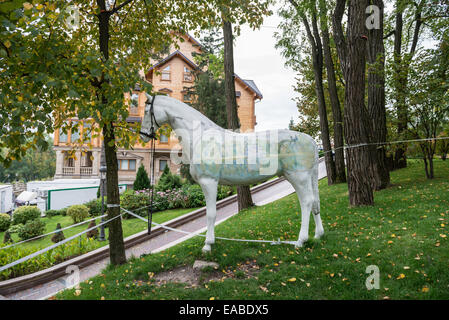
(148, 101)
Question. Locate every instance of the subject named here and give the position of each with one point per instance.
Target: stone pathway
(162, 242)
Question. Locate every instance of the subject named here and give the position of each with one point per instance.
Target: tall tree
(340, 167)
(352, 53)
(244, 198)
(376, 94)
(317, 60)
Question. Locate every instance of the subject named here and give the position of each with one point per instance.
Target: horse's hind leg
(302, 182)
(209, 187)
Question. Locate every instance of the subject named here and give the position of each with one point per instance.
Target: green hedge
(31, 229)
(24, 214)
(5, 221)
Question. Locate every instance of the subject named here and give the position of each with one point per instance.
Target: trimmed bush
(168, 181)
(58, 236)
(142, 181)
(94, 232)
(31, 229)
(63, 212)
(15, 228)
(5, 221)
(94, 207)
(78, 212)
(52, 213)
(24, 214)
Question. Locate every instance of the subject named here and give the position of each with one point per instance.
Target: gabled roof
(251, 85)
(172, 55)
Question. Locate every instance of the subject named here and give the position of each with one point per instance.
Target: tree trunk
(116, 244)
(244, 198)
(317, 59)
(376, 99)
(360, 170)
(340, 167)
(400, 161)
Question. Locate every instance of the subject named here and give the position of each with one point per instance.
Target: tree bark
(340, 167)
(376, 99)
(116, 244)
(352, 54)
(244, 198)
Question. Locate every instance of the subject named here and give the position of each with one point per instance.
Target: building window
(187, 97)
(162, 164)
(87, 131)
(163, 138)
(166, 73)
(187, 75)
(62, 136)
(127, 165)
(75, 135)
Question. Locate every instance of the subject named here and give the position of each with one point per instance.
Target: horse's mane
(192, 112)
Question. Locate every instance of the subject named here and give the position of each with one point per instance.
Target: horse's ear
(149, 98)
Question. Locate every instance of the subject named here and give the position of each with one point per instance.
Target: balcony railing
(68, 171)
(86, 171)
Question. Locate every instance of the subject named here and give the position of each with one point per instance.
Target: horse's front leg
(209, 187)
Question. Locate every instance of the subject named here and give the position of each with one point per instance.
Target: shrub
(5, 221)
(132, 201)
(94, 207)
(15, 228)
(195, 196)
(94, 232)
(52, 213)
(31, 229)
(168, 181)
(63, 212)
(78, 212)
(142, 181)
(24, 214)
(7, 238)
(58, 236)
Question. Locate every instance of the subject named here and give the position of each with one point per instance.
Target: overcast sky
(255, 58)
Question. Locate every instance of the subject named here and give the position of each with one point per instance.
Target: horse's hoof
(319, 234)
(299, 244)
(207, 248)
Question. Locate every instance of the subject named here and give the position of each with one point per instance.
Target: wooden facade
(169, 76)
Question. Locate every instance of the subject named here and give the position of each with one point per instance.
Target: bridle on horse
(152, 136)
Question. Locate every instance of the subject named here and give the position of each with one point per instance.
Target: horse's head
(155, 116)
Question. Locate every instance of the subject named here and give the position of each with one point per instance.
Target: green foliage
(7, 238)
(78, 212)
(58, 236)
(43, 261)
(94, 207)
(39, 163)
(52, 213)
(31, 229)
(94, 232)
(24, 214)
(168, 181)
(142, 181)
(185, 173)
(5, 221)
(15, 228)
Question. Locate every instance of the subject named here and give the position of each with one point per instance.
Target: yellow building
(169, 76)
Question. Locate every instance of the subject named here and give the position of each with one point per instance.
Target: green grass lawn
(130, 227)
(404, 235)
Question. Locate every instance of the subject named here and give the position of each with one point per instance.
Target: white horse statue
(220, 156)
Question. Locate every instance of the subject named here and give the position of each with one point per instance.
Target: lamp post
(103, 170)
